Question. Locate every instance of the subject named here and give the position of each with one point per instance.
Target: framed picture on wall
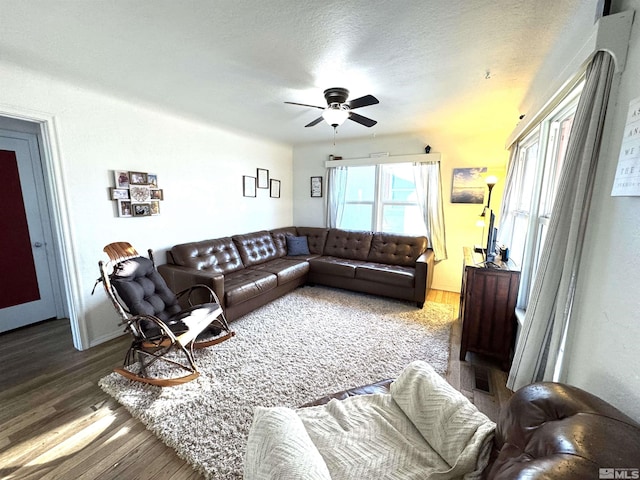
(154, 207)
(141, 209)
(248, 186)
(468, 185)
(119, 193)
(275, 189)
(124, 208)
(138, 178)
(157, 194)
(152, 180)
(263, 178)
(140, 193)
(121, 178)
(316, 186)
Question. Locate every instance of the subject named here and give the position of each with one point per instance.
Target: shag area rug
(309, 343)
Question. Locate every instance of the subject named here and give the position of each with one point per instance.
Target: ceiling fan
(338, 109)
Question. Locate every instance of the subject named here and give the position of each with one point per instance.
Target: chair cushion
(143, 290)
(297, 245)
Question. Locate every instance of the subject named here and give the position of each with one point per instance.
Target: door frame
(56, 195)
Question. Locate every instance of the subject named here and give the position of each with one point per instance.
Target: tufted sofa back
(255, 248)
(316, 238)
(348, 244)
(279, 236)
(219, 255)
(396, 249)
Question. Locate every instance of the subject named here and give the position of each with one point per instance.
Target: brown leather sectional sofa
(551, 431)
(247, 271)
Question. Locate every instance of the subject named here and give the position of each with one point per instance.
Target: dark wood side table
(488, 307)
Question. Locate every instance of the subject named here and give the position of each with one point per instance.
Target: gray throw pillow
(297, 245)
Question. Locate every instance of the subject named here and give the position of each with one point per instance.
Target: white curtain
(429, 194)
(336, 191)
(541, 342)
(508, 200)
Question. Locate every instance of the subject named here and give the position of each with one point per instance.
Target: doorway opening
(27, 145)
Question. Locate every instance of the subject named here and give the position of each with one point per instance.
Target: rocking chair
(164, 334)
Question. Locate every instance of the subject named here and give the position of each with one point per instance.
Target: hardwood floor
(56, 422)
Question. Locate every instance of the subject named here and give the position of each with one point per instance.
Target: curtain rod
(412, 158)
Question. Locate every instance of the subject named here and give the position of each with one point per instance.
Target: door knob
(37, 244)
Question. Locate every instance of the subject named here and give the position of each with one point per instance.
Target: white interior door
(26, 284)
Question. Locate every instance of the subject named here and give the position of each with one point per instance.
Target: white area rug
(309, 343)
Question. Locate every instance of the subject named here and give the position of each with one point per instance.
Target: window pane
(402, 219)
(357, 217)
(516, 249)
(398, 182)
(528, 178)
(361, 184)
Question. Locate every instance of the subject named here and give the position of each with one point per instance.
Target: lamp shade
(335, 116)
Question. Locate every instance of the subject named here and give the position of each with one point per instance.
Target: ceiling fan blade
(367, 122)
(315, 122)
(305, 105)
(363, 102)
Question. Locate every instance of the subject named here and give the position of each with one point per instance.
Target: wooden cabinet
(487, 307)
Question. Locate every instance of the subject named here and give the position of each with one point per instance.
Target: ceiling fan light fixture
(335, 115)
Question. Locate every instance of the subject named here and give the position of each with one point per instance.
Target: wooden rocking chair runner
(165, 335)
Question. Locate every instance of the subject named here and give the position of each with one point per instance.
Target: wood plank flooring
(56, 422)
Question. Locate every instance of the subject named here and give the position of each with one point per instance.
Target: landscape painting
(468, 185)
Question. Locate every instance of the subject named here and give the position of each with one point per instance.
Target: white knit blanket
(423, 429)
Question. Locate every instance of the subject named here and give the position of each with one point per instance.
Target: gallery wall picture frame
(156, 194)
(138, 178)
(152, 180)
(118, 193)
(136, 193)
(274, 190)
(140, 193)
(263, 177)
(316, 186)
(124, 208)
(141, 209)
(121, 178)
(248, 186)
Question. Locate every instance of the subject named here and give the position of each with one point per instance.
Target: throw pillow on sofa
(297, 245)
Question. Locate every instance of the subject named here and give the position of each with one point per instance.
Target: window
(538, 162)
(382, 198)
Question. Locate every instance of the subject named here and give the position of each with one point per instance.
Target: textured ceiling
(234, 62)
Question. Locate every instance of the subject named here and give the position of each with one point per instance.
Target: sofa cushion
(279, 236)
(219, 255)
(255, 248)
(396, 249)
(388, 274)
(246, 284)
(348, 244)
(316, 238)
(297, 246)
(286, 270)
(340, 267)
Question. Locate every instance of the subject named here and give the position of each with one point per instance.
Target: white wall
(458, 149)
(603, 342)
(200, 168)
